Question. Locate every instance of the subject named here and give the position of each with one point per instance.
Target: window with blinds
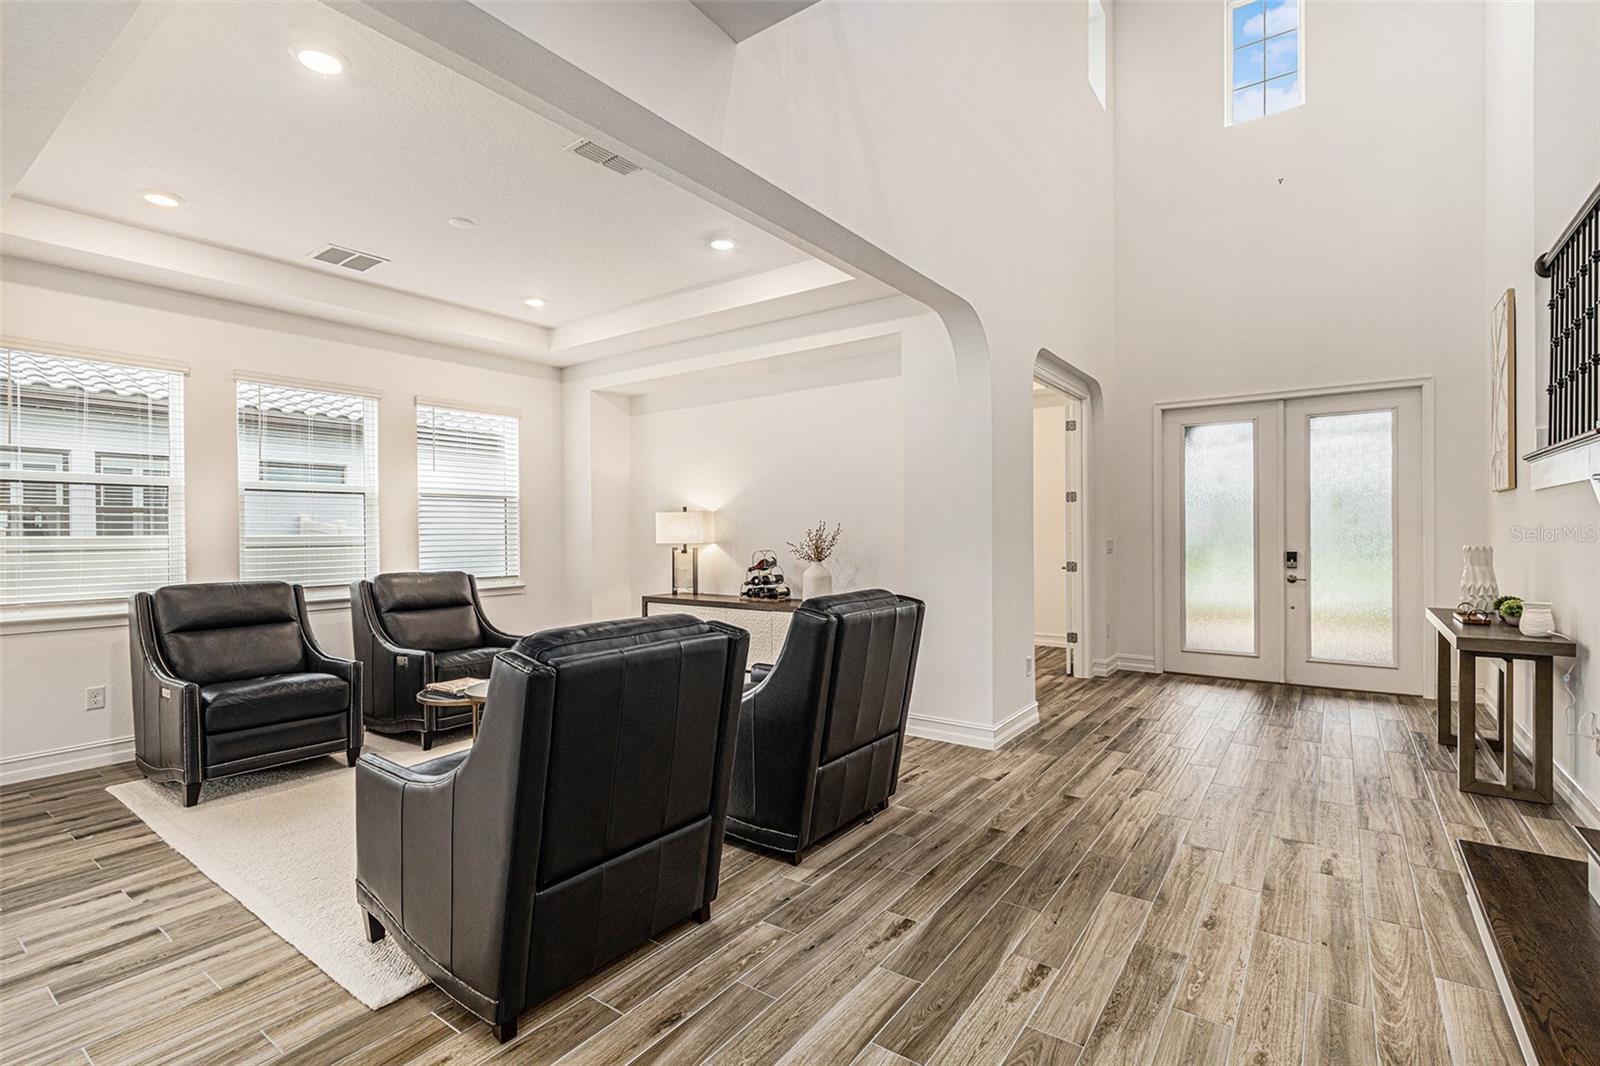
(91, 478)
(308, 484)
(467, 505)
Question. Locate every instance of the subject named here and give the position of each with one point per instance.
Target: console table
(767, 621)
(1498, 641)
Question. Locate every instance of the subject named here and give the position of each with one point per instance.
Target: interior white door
(1223, 538)
(1292, 540)
(1353, 518)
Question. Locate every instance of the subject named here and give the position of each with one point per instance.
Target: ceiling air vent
(348, 258)
(604, 156)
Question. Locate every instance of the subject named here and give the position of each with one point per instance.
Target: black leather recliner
(411, 630)
(227, 679)
(820, 732)
(586, 819)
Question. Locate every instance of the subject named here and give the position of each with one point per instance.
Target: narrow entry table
(1498, 641)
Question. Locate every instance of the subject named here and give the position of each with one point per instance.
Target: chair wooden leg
(505, 1030)
(703, 915)
(191, 794)
(374, 928)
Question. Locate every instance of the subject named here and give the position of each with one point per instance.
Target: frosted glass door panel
(1351, 491)
(1219, 538)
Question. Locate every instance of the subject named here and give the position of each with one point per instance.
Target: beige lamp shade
(686, 527)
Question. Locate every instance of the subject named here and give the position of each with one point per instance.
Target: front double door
(1291, 540)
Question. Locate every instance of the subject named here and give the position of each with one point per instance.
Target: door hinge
(1072, 638)
(1072, 424)
(1072, 497)
(1072, 567)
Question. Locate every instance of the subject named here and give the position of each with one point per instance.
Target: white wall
(964, 140)
(1541, 159)
(43, 674)
(772, 466)
(1335, 243)
(1049, 523)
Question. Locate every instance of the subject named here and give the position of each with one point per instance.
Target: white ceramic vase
(1478, 585)
(1537, 620)
(816, 581)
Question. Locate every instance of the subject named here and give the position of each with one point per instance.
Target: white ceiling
(276, 162)
(743, 19)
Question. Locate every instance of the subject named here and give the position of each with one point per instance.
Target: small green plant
(1509, 607)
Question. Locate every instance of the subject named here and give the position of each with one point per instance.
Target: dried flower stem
(816, 544)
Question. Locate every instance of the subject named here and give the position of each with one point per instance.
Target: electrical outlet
(95, 699)
(1111, 546)
(1027, 667)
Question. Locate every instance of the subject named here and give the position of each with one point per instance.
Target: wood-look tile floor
(1168, 870)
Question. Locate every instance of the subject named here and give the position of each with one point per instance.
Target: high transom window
(1265, 58)
(91, 478)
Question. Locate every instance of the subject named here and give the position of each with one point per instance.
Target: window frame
(1228, 8)
(368, 489)
(513, 501)
(170, 542)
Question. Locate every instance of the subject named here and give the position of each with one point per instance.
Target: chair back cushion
(874, 647)
(640, 707)
(229, 631)
(428, 611)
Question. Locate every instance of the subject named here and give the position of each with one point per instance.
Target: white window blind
(308, 484)
(91, 478)
(467, 506)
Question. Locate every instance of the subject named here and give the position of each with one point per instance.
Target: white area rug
(283, 843)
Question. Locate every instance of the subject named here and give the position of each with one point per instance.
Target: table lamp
(687, 530)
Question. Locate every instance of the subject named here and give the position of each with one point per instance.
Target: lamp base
(686, 571)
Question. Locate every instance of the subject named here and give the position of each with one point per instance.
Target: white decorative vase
(816, 581)
(1478, 585)
(1537, 620)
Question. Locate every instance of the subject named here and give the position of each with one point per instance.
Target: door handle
(1296, 578)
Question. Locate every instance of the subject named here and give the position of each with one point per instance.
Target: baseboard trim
(38, 764)
(951, 731)
(1050, 640)
(1136, 664)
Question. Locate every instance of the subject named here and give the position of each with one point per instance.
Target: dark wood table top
(1497, 638)
(717, 599)
(1544, 934)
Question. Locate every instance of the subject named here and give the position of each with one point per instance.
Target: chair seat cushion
(259, 701)
(467, 662)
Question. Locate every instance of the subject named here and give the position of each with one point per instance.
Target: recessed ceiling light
(535, 301)
(161, 198)
(320, 61)
(462, 222)
(721, 244)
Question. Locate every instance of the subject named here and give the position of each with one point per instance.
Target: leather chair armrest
(403, 825)
(425, 773)
(349, 670)
(493, 637)
(168, 726)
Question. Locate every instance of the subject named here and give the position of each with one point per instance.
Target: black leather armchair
(820, 732)
(411, 630)
(586, 819)
(227, 679)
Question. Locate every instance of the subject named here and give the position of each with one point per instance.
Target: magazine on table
(460, 688)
